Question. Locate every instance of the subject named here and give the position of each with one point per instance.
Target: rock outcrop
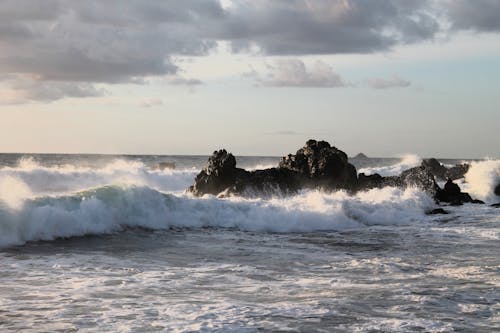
(317, 165)
(497, 190)
(320, 165)
(441, 172)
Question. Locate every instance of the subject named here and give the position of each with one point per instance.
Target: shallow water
(371, 263)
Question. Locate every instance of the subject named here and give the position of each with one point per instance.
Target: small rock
(497, 205)
(437, 211)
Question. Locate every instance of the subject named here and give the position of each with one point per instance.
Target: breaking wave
(407, 162)
(112, 208)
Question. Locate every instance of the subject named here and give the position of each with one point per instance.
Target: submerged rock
(497, 205)
(437, 211)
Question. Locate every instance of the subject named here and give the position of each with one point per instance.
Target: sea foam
(112, 208)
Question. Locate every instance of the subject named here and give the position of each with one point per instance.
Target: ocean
(109, 243)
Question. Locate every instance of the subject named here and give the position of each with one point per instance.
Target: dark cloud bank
(66, 46)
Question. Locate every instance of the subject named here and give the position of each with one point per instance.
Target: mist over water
(114, 243)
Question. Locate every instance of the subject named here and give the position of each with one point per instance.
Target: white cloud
(295, 73)
(386, 83)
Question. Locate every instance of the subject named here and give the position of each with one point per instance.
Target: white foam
(111, 208)
(481, 179)
(407, 162)
(43, 180)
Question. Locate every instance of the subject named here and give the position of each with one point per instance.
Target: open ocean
(101, 243)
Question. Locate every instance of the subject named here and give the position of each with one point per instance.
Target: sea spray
(407, 162)
(111, 208)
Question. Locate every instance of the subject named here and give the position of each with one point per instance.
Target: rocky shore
(318, 165)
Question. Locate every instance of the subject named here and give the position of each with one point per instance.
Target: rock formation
(318, 165)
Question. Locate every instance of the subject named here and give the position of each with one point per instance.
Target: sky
(256, 77)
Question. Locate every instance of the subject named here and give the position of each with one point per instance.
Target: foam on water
(112, 208)
(407, 162)
(41, 180)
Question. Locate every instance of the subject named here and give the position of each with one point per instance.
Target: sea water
(99, 243)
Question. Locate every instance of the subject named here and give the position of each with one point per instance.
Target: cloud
(82, 43)
(386, 83)
(294, 73)
(23, 89)
(479, 15)
(299, 27)
(182, 81)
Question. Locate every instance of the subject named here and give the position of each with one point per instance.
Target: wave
(40, 180)
(112, 208)
(407, 162)
(481, 180)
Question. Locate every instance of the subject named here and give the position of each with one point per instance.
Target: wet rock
(316, 165)
(497, 190)
(419, 177)
(497, 205)
(452, 194)
(456, 172)
(219, 174)
(321, 166)
(433, 166)
(437, 211)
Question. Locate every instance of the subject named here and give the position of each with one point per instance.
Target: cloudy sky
(257, 77)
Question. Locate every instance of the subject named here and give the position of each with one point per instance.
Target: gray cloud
(86, 42)
(294, 73)
(297, 27)
(386, 83)
(479, 15)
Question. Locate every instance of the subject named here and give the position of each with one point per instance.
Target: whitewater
(114, 243)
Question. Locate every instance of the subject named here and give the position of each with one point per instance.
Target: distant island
(360, 156)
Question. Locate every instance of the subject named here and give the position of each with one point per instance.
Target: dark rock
(434, 167)
(219, 174)
(456, 172)
(477, 201)
(371, 181)
(321, 166)
(437, 211)
(497, 190)
(497, 205)
(452, 194)
(360, 156)
(419, 177)
(316, 165)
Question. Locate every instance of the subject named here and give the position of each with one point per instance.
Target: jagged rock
(219, 174)
(437, 211)
(321, 165)
(370, 181)
(434, 167)
(443, 173)
(497, 190)
(316, 165)
(456, 172)
(452, 194)
(419, 177)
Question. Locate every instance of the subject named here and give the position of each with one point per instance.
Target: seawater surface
(110, 243)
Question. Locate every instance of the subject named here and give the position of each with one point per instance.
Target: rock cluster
(321, 166)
